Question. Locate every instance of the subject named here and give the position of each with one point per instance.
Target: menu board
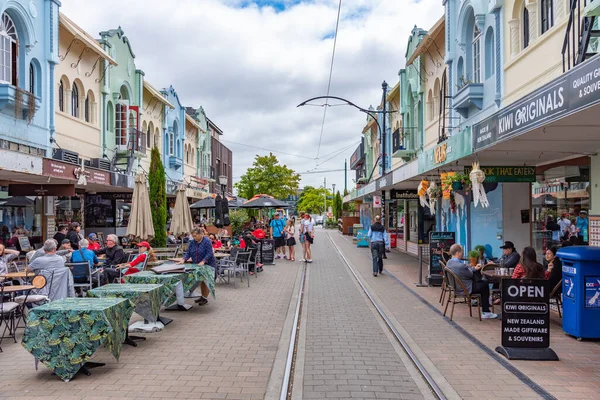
(50, 226)
(267, 251)
(594, 230)
(439, 242)
(525, 313)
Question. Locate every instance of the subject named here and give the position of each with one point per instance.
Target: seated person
(137, 264)
(471, 278)
(216, 243)
(528, 267)
(553, 266)
(114, 256)
(94, 243)
(510, 258)
(6, 256)
(83, 254)
(33, 254)
(52, 263)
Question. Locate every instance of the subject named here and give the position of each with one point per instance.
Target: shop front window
(123, 208)
(99, 212)
(68, 210)
(19, 216)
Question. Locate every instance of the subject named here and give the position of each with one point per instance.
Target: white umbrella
(140, 220)
(182, 215)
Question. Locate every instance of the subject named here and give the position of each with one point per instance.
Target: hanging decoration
(477, 177)
(432, 193)
(422, 192)
(447, 184)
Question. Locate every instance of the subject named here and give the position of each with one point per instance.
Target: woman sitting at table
(146, 252)
(553, 267)
(216, 243)
(528, 267)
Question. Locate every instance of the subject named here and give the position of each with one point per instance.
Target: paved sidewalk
(225, 350)
(466, 367)
(348, 355)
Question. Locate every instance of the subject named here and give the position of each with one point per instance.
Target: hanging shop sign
(41, 190)
(403, 194)
(376, 201)
(439, 153)
(384, 181)
(506, 174)
(573, 91)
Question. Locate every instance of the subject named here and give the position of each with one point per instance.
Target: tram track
(287, 387)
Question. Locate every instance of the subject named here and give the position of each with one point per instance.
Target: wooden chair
(557, 297)
(460, 294)
(445, 288)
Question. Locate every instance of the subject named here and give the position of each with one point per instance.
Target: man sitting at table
(60, 284)
(510, 258)
(94, 243)
(471, 278)
(200, 252)
(114, 256)
(84, 254)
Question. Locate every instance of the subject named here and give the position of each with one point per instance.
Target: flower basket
(457, 185)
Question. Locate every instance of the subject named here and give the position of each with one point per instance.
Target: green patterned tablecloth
(64, 334)
(147, 298)
(169, 280)
(199, 273)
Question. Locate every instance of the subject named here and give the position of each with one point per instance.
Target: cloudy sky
(250, 62)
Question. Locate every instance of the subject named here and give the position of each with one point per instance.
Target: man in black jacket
(114, 256)
(510, 257)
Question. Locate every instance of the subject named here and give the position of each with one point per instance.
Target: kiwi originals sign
(573, 91)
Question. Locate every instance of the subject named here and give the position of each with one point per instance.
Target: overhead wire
(272, 151)
(337, 25)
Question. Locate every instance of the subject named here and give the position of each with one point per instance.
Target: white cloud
(249, 67)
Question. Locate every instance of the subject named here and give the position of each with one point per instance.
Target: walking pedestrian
(379, 242)
(307, 231)
(290, 231)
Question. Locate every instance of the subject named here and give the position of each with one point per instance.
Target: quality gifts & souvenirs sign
(526, 320)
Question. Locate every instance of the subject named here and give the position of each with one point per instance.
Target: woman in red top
(529, 267)
(145, 252)
(216, 244)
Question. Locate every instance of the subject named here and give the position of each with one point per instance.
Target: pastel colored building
(153, 120)
(173, 143)
(79, 109)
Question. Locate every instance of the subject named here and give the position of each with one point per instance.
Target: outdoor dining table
(64, 334)
(147, 298)
(18, 275)
(17, 288)
(493, 277)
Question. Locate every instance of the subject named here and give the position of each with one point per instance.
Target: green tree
(338, 206)
(267, 176)
(238, 218)
(312, 200)
(158, 199)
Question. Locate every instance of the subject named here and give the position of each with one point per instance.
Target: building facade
(222, 160)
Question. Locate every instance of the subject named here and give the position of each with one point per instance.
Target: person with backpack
(379, 242)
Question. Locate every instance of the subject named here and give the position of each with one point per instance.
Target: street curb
(276, 378)
(436, 375)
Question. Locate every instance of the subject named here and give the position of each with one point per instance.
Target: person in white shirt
(565, 226)
(307, 230)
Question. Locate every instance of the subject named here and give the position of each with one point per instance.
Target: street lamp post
(373, 114)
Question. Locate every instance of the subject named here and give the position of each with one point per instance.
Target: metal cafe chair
(82, 274)
(557, 297)
(8, 313)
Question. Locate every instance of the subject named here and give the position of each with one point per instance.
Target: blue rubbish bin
(581, 291)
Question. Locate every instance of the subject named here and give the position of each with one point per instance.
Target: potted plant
(458, 182)
(474, 257)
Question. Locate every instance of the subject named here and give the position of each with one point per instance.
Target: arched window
(110, 117)
(171, 143)
(61, 96)
(86, 109)
(489, 53)
(430, 110)
(9, 42)
(148, 141)
(460, 72)
(476, 54)
(547, 13)
(75, 101)
(31, 78)
(525, 27)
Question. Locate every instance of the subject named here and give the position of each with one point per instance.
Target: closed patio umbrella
(182, 216)
(140, 220)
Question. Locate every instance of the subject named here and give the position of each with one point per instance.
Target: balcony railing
(136, 142)
(404, 142)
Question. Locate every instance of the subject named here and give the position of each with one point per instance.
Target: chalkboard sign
(526, 319)
(267, 251)
(525, 217)
(24, 243)
(439, 242)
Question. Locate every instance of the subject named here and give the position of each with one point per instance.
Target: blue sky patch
(278, 5)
